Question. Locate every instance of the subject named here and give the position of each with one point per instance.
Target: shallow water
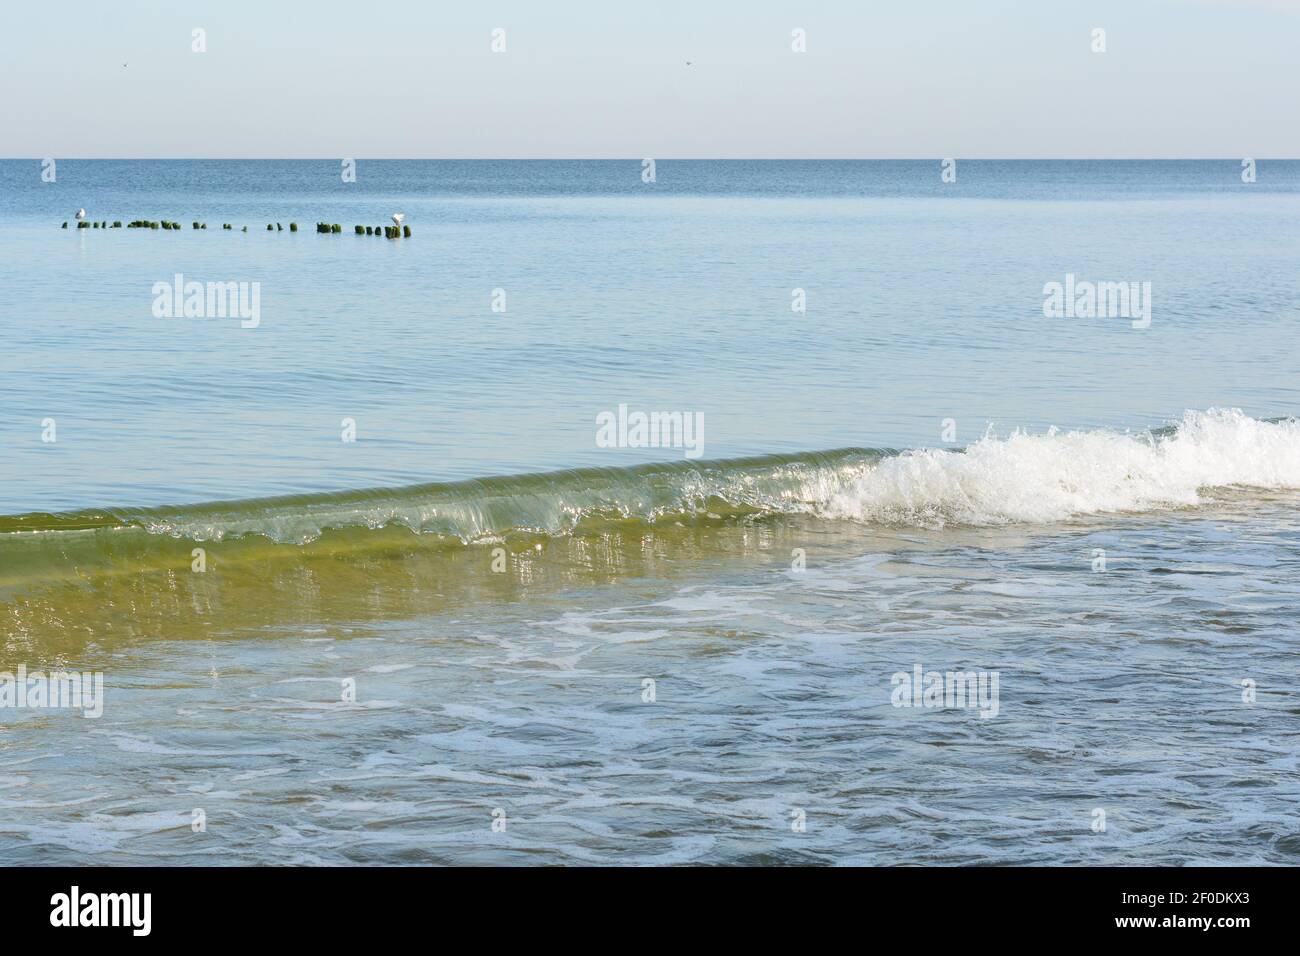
(369, 667)
(1119, 690)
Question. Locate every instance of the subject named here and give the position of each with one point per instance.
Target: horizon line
(667, 159)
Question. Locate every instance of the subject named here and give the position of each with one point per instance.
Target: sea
(631, 512)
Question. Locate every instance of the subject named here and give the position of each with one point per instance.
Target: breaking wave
(1022, 477)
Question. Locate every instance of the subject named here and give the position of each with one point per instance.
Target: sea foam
(1058, 475)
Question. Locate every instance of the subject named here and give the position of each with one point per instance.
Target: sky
(579, 79)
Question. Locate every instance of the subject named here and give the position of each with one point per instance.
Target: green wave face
(553, 503)
(251, 566)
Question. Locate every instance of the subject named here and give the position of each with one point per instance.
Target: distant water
(637, 654)
(923, 302)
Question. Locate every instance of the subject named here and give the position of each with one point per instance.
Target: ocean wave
(1021, 477)
(1059, 475)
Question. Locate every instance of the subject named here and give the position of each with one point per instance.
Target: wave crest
(1060, 475)
(1019, 478)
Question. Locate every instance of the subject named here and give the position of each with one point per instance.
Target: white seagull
(398, 217)
(81, 215)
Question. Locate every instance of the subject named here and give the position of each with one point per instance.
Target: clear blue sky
(416, 78)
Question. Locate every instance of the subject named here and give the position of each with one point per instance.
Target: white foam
(1058, 475)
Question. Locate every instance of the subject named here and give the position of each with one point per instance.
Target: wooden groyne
(324, 228)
